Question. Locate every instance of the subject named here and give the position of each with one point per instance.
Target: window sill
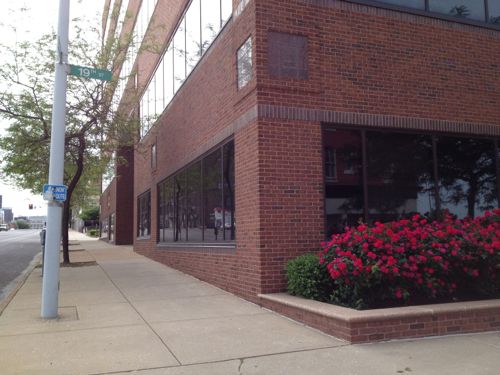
(143, 238)
(198, 245)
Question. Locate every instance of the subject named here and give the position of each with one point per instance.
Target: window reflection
(472, 9)
(193, 35)
(244, 57)
(197, 30)
(197, 204)
(344, 193)
(168, 75)
(401, 172)
(494, 11)
(144, 214)
(194, 206)
(179, 47)
(467, 175)
(210, 22)
(399, 176)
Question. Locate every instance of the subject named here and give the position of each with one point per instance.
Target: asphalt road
(17, 250)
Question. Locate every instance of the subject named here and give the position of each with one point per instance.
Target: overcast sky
(40, 17)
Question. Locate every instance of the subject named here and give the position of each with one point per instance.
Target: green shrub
(93, 232)
(308, 278)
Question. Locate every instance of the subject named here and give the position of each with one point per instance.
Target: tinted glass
(344, 187)
(415, 4)
(228, 177)
(180, 228)
(494, 11)
(144, 215)
(472, 9)
(194, 207)
(169, 221)
(399, 176)
(467, 175)
(212, 197)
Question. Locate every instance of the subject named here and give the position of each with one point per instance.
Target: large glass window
(473, 9)
(197, 204)
(210, 22)
(467, 175)
(144, 215)
(399, 175)
(477, 10)
(198, 28)
(385, 176)
(179, 46)
(168, 75)
(494, 11)
(193, 35)
(344, 184)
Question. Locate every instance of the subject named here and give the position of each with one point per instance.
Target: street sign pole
(50, 284)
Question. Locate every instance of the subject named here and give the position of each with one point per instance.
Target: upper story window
(199, 26)
(244, 63)
(476, 10)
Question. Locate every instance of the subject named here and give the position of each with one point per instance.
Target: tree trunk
(65, 225)
(67, 204)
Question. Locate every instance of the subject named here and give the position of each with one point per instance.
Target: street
(17, 250)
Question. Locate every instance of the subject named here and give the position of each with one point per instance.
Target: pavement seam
(138, 313)
(240, 359)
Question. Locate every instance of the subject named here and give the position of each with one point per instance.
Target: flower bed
(406, 262)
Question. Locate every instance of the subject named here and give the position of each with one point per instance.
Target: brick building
(268, 124)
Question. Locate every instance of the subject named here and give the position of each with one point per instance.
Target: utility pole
(50, 284)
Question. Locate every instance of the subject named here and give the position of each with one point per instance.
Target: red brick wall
(203, 114)
(362, 61)
(368, 60)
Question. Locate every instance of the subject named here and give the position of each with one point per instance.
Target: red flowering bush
(414, 261)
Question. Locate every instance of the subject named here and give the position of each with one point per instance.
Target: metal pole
(50, 285)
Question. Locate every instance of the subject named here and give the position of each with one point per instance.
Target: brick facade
(364, 66)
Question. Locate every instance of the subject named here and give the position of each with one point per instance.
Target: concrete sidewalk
(129, 314)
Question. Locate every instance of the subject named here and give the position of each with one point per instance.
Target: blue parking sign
(56, 193)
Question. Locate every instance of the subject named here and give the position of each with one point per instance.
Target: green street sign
(84, 72)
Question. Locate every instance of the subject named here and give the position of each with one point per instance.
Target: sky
(40, 17)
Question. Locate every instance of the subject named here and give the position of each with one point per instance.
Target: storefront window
(385, 176)
(197, 203)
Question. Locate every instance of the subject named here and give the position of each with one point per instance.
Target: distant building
(7, 215)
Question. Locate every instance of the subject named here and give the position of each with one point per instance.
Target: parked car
(4, 227)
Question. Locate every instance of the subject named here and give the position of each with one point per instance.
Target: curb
(19, 281)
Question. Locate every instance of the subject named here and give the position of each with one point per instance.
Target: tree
(92, 131)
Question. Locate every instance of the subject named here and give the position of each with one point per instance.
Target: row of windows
(384, 176)
(142, 21)
(196, 31)
(478, 10)
(197, 203)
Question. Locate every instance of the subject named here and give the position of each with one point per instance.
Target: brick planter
(387, 324)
